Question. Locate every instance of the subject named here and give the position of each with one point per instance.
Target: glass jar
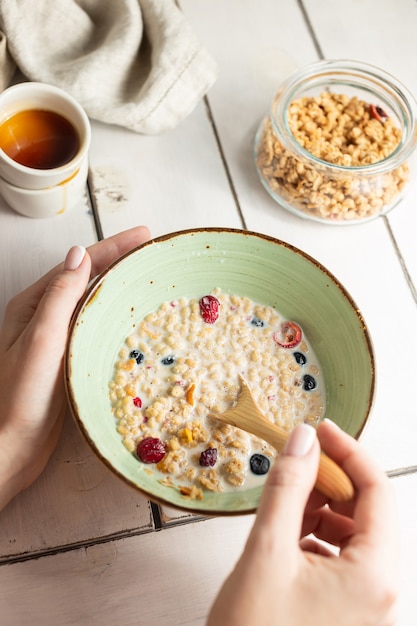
(339, 145)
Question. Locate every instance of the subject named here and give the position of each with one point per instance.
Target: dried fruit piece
(378, 113)
(259, 463)
(194, 493)
(189, 396)
(151, 450)
(209, 309)
(137, 402)
(128, 365)
(185, 435)
(168, 360)
(289, 336)
(208, 457)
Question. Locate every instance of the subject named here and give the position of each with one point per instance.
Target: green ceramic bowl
(191, 264)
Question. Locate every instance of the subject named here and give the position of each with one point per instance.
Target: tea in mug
(39, 139)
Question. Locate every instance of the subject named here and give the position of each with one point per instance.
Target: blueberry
(259, 464)
(168, 360)
(138, 356)
(300, 358)
(255, 321)
(309, 383)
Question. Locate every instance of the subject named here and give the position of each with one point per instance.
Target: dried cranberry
(378, 113)
(137, 402)
(209, 309)
(151, 450)
(208, 458)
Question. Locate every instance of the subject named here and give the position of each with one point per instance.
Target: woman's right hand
(281, 579)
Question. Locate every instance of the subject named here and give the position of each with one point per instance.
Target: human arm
(32, 344)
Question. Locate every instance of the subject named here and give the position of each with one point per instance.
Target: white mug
(31, 98)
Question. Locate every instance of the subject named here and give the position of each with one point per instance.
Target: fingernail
(74, 258)
(331, 423)
(300, 441)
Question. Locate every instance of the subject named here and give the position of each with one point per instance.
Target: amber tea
(39, 139)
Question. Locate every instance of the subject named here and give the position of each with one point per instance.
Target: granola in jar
(339, 143)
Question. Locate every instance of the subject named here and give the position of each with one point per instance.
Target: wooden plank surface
(170, 182)
(157, 578)
(170, 577)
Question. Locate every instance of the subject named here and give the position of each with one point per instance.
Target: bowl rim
(89, 297)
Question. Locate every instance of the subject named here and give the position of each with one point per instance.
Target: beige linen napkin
(7, 66)
(134, 63)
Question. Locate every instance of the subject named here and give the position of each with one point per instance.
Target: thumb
(55, 308)
(288, 486)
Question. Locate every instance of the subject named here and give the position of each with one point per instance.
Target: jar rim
(357, 71)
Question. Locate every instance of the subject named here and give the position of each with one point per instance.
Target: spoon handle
(331, 479)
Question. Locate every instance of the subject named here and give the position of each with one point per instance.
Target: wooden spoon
(331, 479)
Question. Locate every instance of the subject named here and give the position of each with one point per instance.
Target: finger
(328, 526)
(310, 545)
(316, 500)
(48, 328)
(287, 489)
(374, 509)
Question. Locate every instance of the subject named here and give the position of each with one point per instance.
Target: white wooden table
(80, 548)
